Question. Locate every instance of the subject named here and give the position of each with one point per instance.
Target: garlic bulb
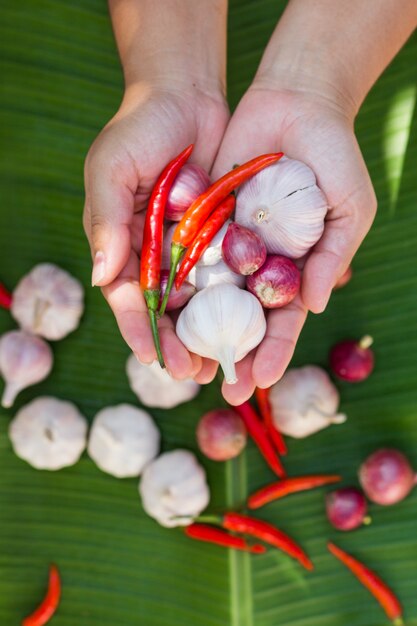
(48, 302)
(284, 205)
(202, 276)
(223, 323)
(49, 433)
(304, 401)
(211, 256)
(123, 439)
(174, 485)
(24, 360)
(154, 386)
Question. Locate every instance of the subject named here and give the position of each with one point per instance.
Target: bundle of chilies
(279, 214)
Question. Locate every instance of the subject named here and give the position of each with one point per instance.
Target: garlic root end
(9, 395)
(227, 363)
(339, 418)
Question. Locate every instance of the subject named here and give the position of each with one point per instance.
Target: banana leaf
(60, 82)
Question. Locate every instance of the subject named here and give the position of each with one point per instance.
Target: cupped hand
(318, 131)
(151, 127)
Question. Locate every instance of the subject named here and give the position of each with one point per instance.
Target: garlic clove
(48, 302)
(202, 276)
(156, 388)
(48, 433)
(24, 361)
(305, 401)
(224, 323)
(174, 485)
(284, 205)
(123, 440)
(213, 254)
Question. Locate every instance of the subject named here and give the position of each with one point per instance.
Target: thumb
(108, 214)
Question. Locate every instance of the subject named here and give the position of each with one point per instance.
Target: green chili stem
(177, 250)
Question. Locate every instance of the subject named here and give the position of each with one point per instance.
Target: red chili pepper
(151, 256)
(5, 297)
(49, 604)
(204, 237)
(268, 533)
(289, 485)
(195, 216)
(381, 592)
(256, 430)
(264, 405)
(204, 532)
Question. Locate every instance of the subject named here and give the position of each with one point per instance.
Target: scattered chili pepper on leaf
(5, 297)
(151, 255)
(203, 238)
(262, 399)
(286, 486)
(210, 534)
(49, 604)
(381, 592)
(196, 215)
(257, 431)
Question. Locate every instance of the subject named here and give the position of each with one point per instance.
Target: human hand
(319, 131)
(150, 128)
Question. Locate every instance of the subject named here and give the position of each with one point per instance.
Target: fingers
(207, 372)
(276, 350)
(245, 386)
(110, 192)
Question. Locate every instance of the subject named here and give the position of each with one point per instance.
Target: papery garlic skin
(283, 204)
(224, 323)
(213, 254)
(48, 302)
(156, 388)
(123, 440)
(304, 401)
(202, 276)
(49, 433)
(24, 361)
(174, 485)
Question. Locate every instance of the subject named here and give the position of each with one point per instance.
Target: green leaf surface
(60, 83)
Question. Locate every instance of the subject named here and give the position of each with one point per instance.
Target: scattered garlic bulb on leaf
(304, 401)
(123, 440)
(174, 485)
(202, 276)
(284, 205)
(49, 433)
(223, 323)
(24, 360)
(156, 388)
(48, 302)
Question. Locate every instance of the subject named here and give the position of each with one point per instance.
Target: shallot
(24, 360)
(276, 283)
(346, 508)
(387, 476)
(221, 434)
(177, 297)
(352, 361)
(243, 250)
(189, 184)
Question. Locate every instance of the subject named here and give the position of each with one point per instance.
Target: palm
(322, 137)
(121, 169)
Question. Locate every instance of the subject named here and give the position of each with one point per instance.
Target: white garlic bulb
(284, 206)
(202, 276)
(49, 433)
(48, 302)
(24, 360)
(305, 401)
(223, 323)
(174, 486)
(156, 388)
(123, 439)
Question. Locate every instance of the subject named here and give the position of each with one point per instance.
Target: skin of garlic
(24, 360)
(284, 206)
(224, 323)
(156, 388)
(174, 485)
(211, 256)
(48, 302)
(48, 433)
(304, 401)
(202, 276)
(123, 440)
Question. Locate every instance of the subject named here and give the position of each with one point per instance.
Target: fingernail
(99, 268)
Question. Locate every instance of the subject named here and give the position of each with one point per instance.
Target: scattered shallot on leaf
(351, 360)
(387, 477)
(221, 434)
(346, 508)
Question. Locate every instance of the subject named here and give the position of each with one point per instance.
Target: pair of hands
(151, 127)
